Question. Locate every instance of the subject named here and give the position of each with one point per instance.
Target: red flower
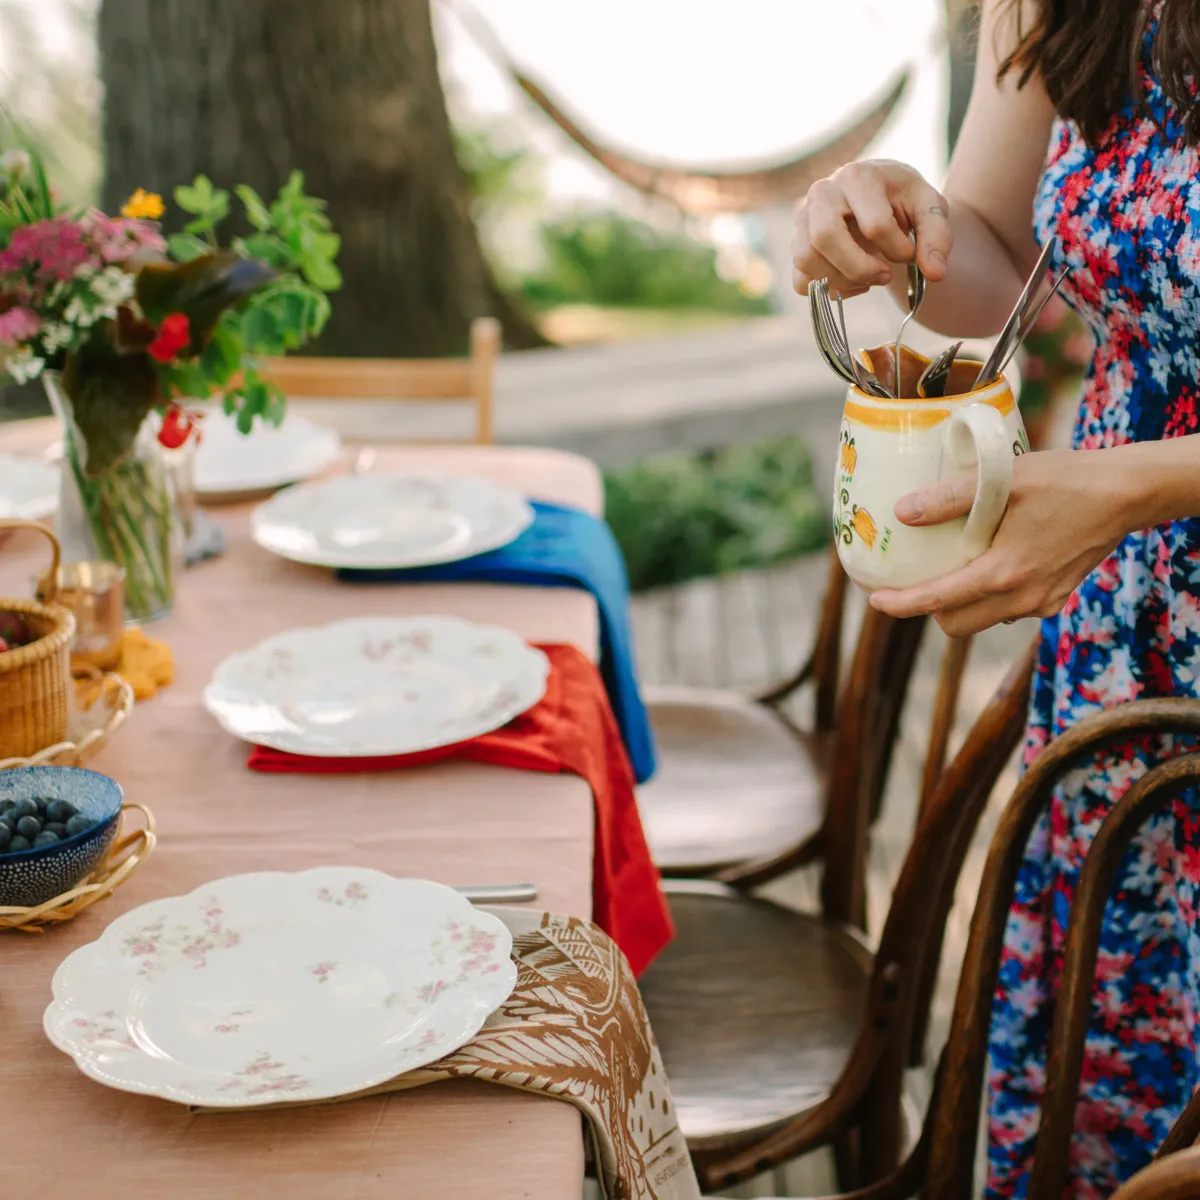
(177, 426)
(173, 335)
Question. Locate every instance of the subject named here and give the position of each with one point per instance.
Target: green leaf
(221, 358)
(183, 247)
(267, 247)
(259, 330)
(197, 198)
(321, 273)
(257, 212)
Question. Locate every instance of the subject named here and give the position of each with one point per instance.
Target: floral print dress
(1127, 215)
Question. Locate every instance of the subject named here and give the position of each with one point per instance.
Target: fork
(865, 379)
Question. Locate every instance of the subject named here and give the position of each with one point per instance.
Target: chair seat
(734, 782)
(755, 1008)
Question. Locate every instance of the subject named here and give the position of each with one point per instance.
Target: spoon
(916, 293)
(933, 379)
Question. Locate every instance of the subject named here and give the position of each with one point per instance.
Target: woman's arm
(975, 243)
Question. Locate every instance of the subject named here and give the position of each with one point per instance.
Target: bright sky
(712, 82)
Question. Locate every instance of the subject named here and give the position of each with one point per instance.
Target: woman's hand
(1067, 511)
(853, 226)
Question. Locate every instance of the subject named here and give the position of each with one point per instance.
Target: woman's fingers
(808, 265)
(852, 226)
(938, 502)
(929, 212)
(865, 187)
(827, 215)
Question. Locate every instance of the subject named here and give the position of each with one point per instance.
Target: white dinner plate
(280, 987)
(390, 521)
(377, 686)
(230, 464)
(28, 488)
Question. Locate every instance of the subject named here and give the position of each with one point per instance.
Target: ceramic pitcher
(889, 448)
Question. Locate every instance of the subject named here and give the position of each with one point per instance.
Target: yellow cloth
(146, 665)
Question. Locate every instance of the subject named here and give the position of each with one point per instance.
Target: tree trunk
(348, 92)
(962, 24)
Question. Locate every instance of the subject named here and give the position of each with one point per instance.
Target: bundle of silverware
(882, 372)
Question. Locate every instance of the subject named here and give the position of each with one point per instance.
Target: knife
(504, 893)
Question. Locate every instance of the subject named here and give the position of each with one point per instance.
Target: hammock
(694, 191)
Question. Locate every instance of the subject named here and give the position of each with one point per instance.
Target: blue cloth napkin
(564, 547)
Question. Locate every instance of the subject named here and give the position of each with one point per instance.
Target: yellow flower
(143, 204)
(865, 526)
(849, 457)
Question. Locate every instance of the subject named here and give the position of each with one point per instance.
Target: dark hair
(1088, 54)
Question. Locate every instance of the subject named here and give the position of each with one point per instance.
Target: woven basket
(35, 680)
(124, 857)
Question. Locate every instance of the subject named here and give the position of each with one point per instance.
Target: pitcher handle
(977, 434)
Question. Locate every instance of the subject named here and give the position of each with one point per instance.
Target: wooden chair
(941, 1166)
(464, 380)
(738, 781)
(780, 1031)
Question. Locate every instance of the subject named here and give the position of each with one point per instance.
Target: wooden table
(456, 822)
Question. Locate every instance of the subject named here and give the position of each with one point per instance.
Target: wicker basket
(35, 680)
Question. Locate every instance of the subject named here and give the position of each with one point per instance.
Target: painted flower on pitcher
(322, 971)
(864, 525)
(848, 458)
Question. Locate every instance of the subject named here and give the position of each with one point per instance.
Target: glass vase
(127, 515)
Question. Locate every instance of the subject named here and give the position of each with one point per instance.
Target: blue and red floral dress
(1127, 215)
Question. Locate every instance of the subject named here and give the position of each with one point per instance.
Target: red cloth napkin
(571, 729)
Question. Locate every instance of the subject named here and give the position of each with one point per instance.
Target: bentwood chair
(780, 1031)
(942, 1164)
(468, 380)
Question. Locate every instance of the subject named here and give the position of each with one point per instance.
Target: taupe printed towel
(575, 1028)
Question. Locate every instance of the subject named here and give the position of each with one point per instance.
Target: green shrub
(611, 260)
(684, 516)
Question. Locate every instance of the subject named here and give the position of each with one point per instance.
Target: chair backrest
(954, 1114)
(469, 380)
(1173, 1178)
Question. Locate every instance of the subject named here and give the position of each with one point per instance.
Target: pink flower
(17, 325)
(53, 249)
(117, 239)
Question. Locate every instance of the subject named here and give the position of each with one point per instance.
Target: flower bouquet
(128, 328)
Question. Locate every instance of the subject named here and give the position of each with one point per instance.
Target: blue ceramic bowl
(31, 877)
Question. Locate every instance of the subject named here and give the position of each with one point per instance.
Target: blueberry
(9, 822)
(55, 827)
(78, 824)
(24, 808)
(29, 827)
(5, 837)
(60, 810)
(45, 838)
(19, 843)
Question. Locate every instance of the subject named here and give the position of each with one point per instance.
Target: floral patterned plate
(377, 686)
(280, 987)
(230, 465)
(28, 489)
(381, 522)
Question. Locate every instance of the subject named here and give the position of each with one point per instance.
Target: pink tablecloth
(458, 822)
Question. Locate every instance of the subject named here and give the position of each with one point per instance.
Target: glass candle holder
(95, 593)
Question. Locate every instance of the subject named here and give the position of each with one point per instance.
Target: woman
(1084, 123)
